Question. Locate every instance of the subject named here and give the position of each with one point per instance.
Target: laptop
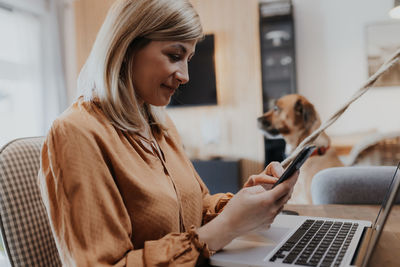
(310, 241)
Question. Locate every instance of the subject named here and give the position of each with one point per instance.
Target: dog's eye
(276, 108)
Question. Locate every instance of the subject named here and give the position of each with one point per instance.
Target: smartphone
(296, 164)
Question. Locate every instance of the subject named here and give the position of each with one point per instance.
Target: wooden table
(387, 253)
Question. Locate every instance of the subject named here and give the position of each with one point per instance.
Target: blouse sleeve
(87, 214)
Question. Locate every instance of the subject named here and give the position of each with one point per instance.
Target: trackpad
(264, 238)
(255, 246)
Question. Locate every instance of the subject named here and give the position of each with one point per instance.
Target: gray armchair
(352, 185)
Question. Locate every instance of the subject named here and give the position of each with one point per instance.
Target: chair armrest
(352, 185)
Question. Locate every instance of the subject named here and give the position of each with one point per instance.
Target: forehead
(287, 101)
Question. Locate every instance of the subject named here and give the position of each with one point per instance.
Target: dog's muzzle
(264, 124)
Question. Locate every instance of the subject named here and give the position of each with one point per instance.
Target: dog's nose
(263, 122)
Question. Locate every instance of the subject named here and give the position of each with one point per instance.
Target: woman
(115, 180)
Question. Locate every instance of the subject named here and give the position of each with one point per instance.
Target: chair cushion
(352, 185)
(24, 222)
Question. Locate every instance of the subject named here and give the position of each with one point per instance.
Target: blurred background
(255, 51)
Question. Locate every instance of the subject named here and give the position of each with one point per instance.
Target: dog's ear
(298, 107)
(306, 111)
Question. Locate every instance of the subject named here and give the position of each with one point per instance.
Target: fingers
(256, 206)
(283, 189)
(264, 179)
(279, 205)
(280, 209)
(270, 174)
(260, 179)
(254, 189)
(274, 168)
(267, 187)
(280, 190)
(283, 200)
(292, 180)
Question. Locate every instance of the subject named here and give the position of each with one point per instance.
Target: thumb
(274, 168)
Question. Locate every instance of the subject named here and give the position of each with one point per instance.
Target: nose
(263, 121)
(182, 75)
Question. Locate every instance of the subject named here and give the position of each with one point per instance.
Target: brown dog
(294, 117)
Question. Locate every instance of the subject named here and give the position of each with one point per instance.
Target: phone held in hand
(296, 164)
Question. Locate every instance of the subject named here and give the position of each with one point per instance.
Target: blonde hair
(129, 26)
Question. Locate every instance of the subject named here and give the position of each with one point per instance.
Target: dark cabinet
(277, 62)
(220, 175)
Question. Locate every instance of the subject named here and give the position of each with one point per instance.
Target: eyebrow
(179, 46)
(182, 48)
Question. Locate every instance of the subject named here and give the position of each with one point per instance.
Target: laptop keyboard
(317, 243)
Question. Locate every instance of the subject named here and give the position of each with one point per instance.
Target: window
(21, 85)
(32, 83)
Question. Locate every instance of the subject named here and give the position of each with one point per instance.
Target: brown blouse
(114, 202)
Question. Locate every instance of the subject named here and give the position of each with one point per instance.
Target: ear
(298, 107)
(306, 111)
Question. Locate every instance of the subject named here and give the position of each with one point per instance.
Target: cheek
(164, 70)
(281, 123)
(139, 83)
(144, 79)
(157, 73)
(278, 119)
(145, 70)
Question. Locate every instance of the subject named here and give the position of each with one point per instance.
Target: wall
(89, 16)
(330, 60)
(228, 129)
(332, 63)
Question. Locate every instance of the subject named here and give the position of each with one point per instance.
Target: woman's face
(159, 68)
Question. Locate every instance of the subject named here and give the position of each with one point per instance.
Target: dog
(295, 118)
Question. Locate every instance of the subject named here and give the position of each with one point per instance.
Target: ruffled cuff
(222, 202)
(208, 215)
(202, 247)
(176, 249)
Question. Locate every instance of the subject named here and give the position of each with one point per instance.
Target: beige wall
(228, 129)
(89, 15)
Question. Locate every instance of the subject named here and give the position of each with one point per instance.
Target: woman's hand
(251, 208)
(267, 177)
(254, 207)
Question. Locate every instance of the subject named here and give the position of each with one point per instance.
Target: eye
(174, 57)
(276, 108)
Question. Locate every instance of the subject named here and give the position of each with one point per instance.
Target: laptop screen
(383, 214)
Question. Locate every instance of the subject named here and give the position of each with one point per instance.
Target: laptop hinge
(361, 249)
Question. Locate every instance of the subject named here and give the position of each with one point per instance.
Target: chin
(162, 102)
(167, 100)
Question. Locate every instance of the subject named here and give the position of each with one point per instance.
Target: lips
(171, 89)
